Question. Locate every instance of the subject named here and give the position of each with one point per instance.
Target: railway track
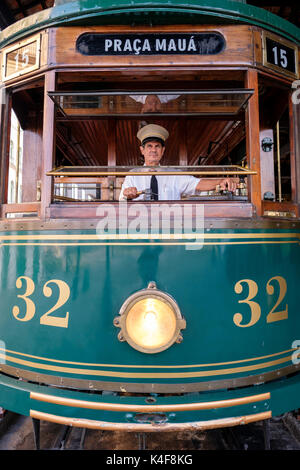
(22, 433)
(281, 433)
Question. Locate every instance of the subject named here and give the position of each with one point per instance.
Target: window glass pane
(194, 103)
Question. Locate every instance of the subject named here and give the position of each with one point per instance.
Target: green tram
(140, 314)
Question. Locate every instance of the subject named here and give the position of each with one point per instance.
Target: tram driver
(165, 187)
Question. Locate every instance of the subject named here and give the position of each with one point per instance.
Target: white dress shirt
(170, 188)
(162, 98)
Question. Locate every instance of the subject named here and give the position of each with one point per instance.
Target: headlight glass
(150, 321)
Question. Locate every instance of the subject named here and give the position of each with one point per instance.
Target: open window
(97, 145)
(23, 152)
(277, 148)
(150, 103)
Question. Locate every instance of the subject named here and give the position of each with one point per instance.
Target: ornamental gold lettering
(30, 308)
(64, 294)
(255, 309)
(273, 315)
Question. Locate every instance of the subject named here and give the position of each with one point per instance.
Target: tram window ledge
(285, 209)
(20, 211)
(226, 209)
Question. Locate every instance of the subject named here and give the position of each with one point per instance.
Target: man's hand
(229, 184)
(130, 193)
(210, 184)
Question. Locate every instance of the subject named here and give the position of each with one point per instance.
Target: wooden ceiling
(14, 10)
(86, 143)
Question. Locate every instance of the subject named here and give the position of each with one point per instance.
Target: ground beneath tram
(16, 433)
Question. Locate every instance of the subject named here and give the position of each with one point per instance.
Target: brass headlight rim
(120, 321)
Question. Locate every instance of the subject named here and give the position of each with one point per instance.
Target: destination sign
(280, 56)
(150, 44)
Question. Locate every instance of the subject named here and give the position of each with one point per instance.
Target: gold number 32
(46, 318)
(255, 309)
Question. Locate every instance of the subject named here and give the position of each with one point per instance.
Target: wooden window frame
(256, 205)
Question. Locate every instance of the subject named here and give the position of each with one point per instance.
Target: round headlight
(150, 320)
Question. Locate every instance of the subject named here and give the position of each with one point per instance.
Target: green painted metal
(284, 397)
(102, 274)
(141, 12)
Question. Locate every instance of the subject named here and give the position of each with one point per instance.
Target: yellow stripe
(184, 236)
(160, 236)
(137, 366)
(124, 407)
(163, 375)
(154, 243)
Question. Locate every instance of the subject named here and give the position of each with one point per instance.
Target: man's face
(152, 152)
(152, 105)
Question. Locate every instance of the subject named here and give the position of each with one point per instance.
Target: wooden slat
(183, 155)
(20, 208)
(127, 148)
(89, 210)
(281, 207)
(252, 141)
(31, 168)
(297, 149)
(5, 126)
(294, 147)
(48, 142)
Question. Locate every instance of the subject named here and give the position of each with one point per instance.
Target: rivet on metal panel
(151, 285)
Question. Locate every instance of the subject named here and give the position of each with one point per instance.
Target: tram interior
(88, 139)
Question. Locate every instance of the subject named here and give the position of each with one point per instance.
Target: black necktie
(154, 188)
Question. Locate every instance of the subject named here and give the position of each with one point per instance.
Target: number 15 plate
(21, 58)
(280, 55)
